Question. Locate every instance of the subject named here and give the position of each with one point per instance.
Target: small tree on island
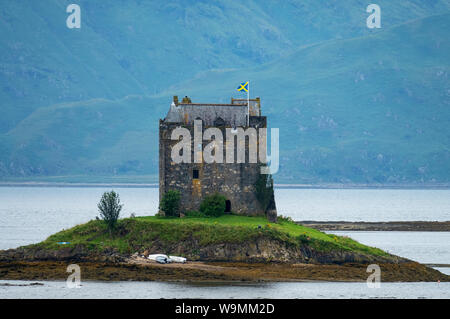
(109, 208)
(170, 203)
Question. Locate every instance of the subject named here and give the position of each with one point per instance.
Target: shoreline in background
(280, 186)
(428, 226)
(61, 184)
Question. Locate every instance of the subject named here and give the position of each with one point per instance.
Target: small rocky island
(225, 248)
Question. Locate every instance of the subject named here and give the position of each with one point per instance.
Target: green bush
(109, 208)
(170, 203)
(213, 205)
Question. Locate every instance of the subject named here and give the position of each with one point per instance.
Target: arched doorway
(227, 206)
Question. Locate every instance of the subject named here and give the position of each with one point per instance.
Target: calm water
(58, 289)
(30, 214)
(364, 204)
(425, 247)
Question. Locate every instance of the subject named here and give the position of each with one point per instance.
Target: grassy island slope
(135, 234)
(253, 239)
(229, 247)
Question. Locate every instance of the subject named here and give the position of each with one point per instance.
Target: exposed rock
(262, 249)
(199, 271)
(78, 253)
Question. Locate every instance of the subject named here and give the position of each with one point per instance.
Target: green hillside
(352, 104)
(369, 109)
(141, 47)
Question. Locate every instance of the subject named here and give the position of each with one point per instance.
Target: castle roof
(233, 114)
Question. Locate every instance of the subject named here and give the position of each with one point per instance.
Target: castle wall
(233, 180)
(255, 105)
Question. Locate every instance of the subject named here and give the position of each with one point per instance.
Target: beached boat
(161, 258)
(167, 259)
(177, 259)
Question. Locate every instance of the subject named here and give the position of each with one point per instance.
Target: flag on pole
(243, 87)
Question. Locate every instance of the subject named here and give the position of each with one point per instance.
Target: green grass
(133, 234)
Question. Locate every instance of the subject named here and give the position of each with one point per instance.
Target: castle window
(195, 174)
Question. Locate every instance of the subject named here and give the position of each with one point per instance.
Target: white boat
(168, 259)
(159, 257)
(177, 259)
(162, 260)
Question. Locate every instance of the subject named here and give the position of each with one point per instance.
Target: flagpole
(248, 105)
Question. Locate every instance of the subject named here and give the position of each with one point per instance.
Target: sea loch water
(30, 214)
(167, 290)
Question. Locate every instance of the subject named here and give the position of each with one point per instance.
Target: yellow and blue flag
(243, 87)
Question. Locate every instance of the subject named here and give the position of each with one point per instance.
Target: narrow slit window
(195, 174)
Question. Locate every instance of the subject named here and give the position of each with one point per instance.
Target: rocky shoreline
(22, 264)
(230, 248)
(204, 272)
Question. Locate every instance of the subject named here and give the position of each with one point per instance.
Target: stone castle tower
(195, 180)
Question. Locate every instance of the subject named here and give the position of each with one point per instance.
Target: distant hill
(368, 109)
(352, 104)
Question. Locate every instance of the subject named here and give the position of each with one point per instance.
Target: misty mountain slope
(44, 62)
(374, 108)
(142, 47)
(371, 109)
(96, 136)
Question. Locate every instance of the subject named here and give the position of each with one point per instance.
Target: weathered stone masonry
(196, 180)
